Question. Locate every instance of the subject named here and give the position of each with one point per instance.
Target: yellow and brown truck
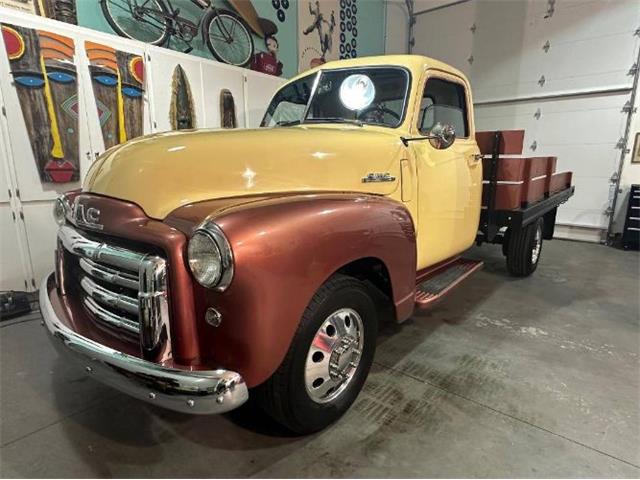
(196, 267)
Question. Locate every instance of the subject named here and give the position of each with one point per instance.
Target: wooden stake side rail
(517, 190)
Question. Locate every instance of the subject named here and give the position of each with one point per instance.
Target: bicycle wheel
(228, 37)
(143, 20)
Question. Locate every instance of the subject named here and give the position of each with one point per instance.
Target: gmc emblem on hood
(88, 217)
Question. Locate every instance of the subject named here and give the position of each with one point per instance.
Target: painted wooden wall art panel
(228, 109)
(118, 87)
(45, 78)
(181, 113)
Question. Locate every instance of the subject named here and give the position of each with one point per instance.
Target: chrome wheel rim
(537, 245)
(334, 355)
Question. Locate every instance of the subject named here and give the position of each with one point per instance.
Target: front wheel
(228, 37)
(328, 360)
(146, 21)
(524, 248)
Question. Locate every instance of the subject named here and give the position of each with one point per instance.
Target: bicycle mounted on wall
(225, 33)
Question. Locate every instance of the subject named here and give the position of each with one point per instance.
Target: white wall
(28, 229)
(557, 69)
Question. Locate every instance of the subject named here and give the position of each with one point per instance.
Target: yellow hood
(165, 171)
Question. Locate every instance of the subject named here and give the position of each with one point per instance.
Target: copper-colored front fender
(284, 249)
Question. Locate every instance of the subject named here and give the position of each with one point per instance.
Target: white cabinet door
(47, 126)
(41, 230)
(12, 274)
(175, 90)
(101, 60)
(14, 262)
(215, 79)
(259, 89)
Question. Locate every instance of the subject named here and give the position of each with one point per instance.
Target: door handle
(475, 158)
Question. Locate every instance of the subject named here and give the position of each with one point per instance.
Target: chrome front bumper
(197, 392)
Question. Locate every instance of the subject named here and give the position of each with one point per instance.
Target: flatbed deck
(517, 190)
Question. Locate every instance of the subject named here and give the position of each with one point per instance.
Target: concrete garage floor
(506, 377)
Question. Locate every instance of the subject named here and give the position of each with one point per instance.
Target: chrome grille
(122, 289)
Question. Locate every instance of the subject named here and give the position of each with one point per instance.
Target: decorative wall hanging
(318, 22)
(27, 6)
(227, 109)
(227, 34)
(118, 85)
(62, 10)
(267, 62)
(348, 29)
(45, 79)
(181, 113)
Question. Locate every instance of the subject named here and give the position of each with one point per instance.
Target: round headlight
(205, 259)
(60, 211)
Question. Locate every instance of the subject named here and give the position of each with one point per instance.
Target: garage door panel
(513, 116)
(588, 160)
(575, 20)
(436, 38)
(581, 218)
(572, 66)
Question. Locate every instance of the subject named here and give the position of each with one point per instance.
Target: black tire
(209, 17)
(520, 248)
(104, 4)
(284, 396)
(505, 242)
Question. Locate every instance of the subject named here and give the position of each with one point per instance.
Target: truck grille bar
(122, 289)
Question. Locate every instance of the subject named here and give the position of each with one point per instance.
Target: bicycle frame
(163, 14)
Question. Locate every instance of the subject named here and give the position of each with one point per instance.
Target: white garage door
(562, 70)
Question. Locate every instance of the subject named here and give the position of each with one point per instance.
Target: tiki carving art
(227, 109)
(118, 86)
(45, 79)
(181, 114)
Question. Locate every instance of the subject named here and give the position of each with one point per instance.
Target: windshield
(373, 95)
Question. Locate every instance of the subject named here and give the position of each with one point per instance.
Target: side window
(444, 102)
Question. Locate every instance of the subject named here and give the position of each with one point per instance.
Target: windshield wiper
(352, 121)
(287, 123)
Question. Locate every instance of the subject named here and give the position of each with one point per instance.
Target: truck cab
(197, 268)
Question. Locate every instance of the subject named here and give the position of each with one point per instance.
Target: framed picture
(635, 153)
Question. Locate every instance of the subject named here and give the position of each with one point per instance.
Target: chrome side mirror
(442, 136)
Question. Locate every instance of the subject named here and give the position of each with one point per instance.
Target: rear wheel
(328, 360)
(144, 21)
(524, 248)
(228, 37)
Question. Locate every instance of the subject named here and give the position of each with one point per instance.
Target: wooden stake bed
(517, 190)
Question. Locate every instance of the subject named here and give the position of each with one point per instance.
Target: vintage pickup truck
(195, 266)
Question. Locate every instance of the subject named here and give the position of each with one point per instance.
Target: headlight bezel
(61, 205)
(220, 241)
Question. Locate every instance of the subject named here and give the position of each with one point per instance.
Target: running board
(443, 280)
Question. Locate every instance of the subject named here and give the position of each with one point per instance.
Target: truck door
(449, 180)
